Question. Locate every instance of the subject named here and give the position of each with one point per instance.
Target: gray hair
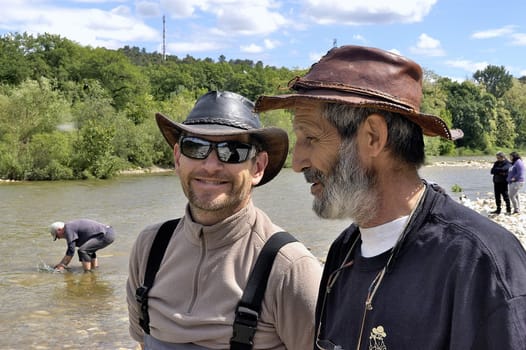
(56, 226)
(405, 139)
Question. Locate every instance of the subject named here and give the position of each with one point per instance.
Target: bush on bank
(73, 112)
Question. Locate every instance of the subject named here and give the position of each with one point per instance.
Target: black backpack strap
(249, 307)
(157, 251)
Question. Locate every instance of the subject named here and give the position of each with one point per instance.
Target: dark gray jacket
(458, 282)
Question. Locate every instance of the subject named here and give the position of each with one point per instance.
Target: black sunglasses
(227, 151)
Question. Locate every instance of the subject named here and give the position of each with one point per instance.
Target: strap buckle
(245, 325)
(141, 294)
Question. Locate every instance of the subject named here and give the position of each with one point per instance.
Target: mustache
(218, 176)
(313, 175)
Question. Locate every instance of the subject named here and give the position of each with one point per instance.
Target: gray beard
(349, 191)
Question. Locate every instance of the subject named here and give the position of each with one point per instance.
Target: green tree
(50, 156)
(116, 74)
(473, 111)
(93, 104)
(505, 133)
(133, 143)
(14, 67)
(515, 102)
(94, 151)
(495, 79)
(434, 102)
(169, 78)
(32, 108)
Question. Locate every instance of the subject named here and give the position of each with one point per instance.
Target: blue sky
(453, 38)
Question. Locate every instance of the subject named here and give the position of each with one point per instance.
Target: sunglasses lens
(227, 151)
(195, 148)
(233, 152)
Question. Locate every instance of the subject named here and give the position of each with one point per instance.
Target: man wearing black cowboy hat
(221, 152)
(415, 270)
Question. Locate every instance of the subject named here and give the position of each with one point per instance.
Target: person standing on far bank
(221, 153)
(415, 269)
(88, 235)
(516, 180)
(500, 182)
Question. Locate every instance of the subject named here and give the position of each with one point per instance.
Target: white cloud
(369, 12)
(271, 44)
(179, 9)
(121, 11)
(252, 48)
(189, 47)
(315, 56)
(467, 65)
(148, 9)
(518, 39)
(111, 28)
(493, 33)
(219, 23)
(230, 17)
(96, 1)
(427, 46)
(359, 38)
(249, 20)
(459, 79)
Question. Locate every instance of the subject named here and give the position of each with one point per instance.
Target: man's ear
(259, 166)
(374, 134)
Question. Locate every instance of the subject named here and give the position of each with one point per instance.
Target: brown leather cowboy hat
(221, 113)
(364, 77)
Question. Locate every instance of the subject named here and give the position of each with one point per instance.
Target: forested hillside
(69, 111)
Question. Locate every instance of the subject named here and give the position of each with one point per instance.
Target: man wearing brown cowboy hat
(415, 270)
(221, 152)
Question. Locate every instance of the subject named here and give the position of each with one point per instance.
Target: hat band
(232, 123)
(299, 84)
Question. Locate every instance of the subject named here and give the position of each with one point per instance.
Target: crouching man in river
(88, 235)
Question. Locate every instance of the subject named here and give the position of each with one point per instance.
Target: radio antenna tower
(164, 38)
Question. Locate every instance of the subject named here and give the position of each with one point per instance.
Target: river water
(40, 309)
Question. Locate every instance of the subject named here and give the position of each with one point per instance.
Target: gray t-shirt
(78, 232)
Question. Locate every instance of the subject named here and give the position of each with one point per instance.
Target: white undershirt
(379, 239)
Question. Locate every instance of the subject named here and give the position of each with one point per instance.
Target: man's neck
(212, 217)
(398, 196)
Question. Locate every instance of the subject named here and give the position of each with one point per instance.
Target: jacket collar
(224, 232)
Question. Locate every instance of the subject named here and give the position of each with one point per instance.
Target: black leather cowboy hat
(221, 113)
(364, 77)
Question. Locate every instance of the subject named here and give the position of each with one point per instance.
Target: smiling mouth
(211, 181)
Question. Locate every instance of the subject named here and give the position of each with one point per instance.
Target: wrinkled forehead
(309, 116)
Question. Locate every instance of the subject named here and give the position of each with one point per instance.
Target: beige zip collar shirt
(203, 275)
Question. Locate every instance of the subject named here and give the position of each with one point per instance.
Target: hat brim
(431, 125)
(273, 140)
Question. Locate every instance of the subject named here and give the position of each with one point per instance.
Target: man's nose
(300, 158)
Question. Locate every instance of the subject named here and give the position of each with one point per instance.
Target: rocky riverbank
(515, 223)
